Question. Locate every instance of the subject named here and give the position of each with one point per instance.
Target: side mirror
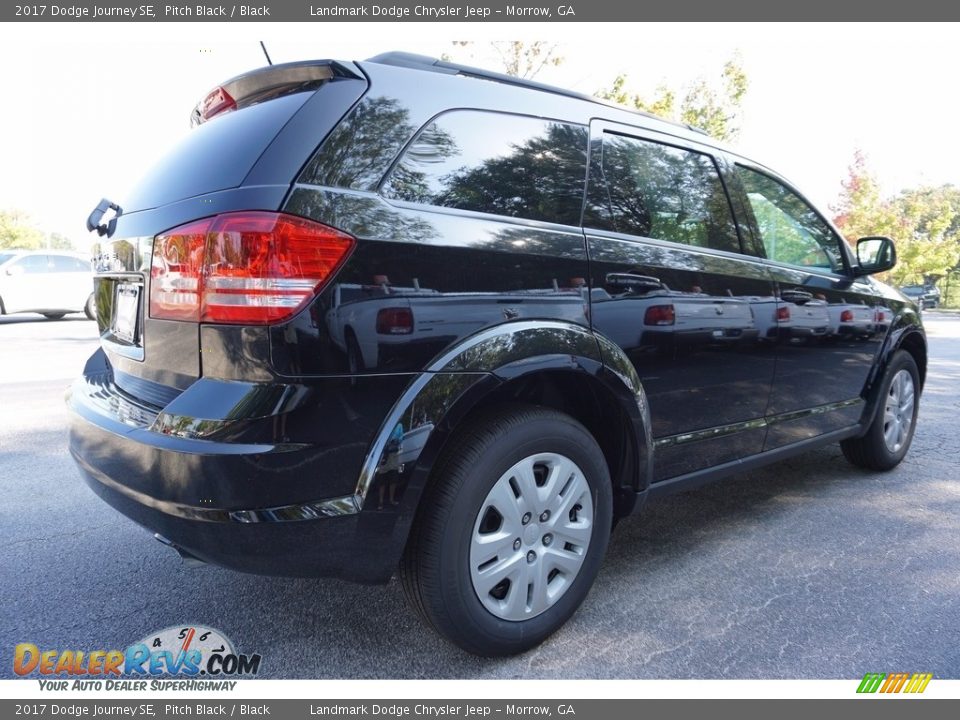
(875, 255)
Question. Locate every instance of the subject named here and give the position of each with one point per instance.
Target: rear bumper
(243, 506)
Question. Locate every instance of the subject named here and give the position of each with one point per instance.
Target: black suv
(404, 313)
(925, 296)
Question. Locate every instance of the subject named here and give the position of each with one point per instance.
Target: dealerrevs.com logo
(192, 657)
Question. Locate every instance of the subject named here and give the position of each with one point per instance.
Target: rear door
(238, 160)
(671, 287)
(71, 280)
(830, 325)
(25, 285)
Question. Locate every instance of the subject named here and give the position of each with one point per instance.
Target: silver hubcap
(898, 412)
(531, 536)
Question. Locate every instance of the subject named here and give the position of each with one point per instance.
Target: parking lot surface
(806, 569)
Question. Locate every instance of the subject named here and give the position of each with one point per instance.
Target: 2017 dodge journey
(406, 314)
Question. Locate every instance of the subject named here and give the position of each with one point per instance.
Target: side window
(662, 192)
(494, 163)
(65, 263)
(33, 264)
(792, 232)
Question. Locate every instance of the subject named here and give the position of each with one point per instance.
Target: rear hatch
(229, 174)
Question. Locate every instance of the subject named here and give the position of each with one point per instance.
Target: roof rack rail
(425, 62)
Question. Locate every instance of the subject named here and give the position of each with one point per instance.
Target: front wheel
(889, 436)
(54, 316)
(512, 532)
(90, 308)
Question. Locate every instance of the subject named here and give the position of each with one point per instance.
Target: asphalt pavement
(807, 569)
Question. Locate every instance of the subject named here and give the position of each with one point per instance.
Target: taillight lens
(176, 270)
(783, 313)
(846, 316)
(250, 268)
(659, 315)
(395, 321)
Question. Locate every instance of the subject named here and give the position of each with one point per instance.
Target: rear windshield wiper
(107, 228)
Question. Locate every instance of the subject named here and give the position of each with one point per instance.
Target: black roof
(424, 62)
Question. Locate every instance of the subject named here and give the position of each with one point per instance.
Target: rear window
(217, 155)
(495, 163)
(4, 257)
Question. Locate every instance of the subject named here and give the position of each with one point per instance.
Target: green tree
(17, 231)
(861, 209)
(713, 106)
(930, 247)
(924, 221)
(519, 58)
(56, 241)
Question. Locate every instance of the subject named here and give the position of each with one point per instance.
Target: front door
(829, 325)
(670, 285)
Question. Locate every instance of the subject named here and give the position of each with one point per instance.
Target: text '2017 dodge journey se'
(404, 313)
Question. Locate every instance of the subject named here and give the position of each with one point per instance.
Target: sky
(88, 108)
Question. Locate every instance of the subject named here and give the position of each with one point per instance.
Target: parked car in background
(405, 315)
(50, 282)
(926, 296)
(852, 319)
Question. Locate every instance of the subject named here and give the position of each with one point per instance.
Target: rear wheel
(54, 316)
(887, 440)
(354, 354)
(90, 308)
(512, 531)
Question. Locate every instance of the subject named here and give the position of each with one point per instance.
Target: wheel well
(3, 308)
(913, 343)
(595, 407)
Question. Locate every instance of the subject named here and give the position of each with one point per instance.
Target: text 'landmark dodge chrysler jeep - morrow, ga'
(405, 313)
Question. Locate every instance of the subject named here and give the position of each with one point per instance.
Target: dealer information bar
(163, 709)
(477, 11)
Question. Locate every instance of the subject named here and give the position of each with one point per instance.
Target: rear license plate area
(126, 316)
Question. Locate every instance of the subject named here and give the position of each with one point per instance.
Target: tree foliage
(519, 58)
(17, 232)
(712, 105)
(924, 221)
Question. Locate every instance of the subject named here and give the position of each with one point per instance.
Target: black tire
(871, 450)
(54, 316)
(435, 570)
(354, 353)
(90, 308)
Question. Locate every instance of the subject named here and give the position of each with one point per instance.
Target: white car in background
(50, 282)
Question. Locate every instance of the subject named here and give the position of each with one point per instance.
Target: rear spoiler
(268, 83)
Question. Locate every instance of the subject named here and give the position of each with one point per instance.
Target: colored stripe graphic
(918, 683)
(871, 682)
(894, 682)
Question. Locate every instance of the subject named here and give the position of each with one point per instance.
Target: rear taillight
(783, 313)
(249, 268)
(846, 316)
(176, 270)
(659, 315)
(395, 321)
(880, 316)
